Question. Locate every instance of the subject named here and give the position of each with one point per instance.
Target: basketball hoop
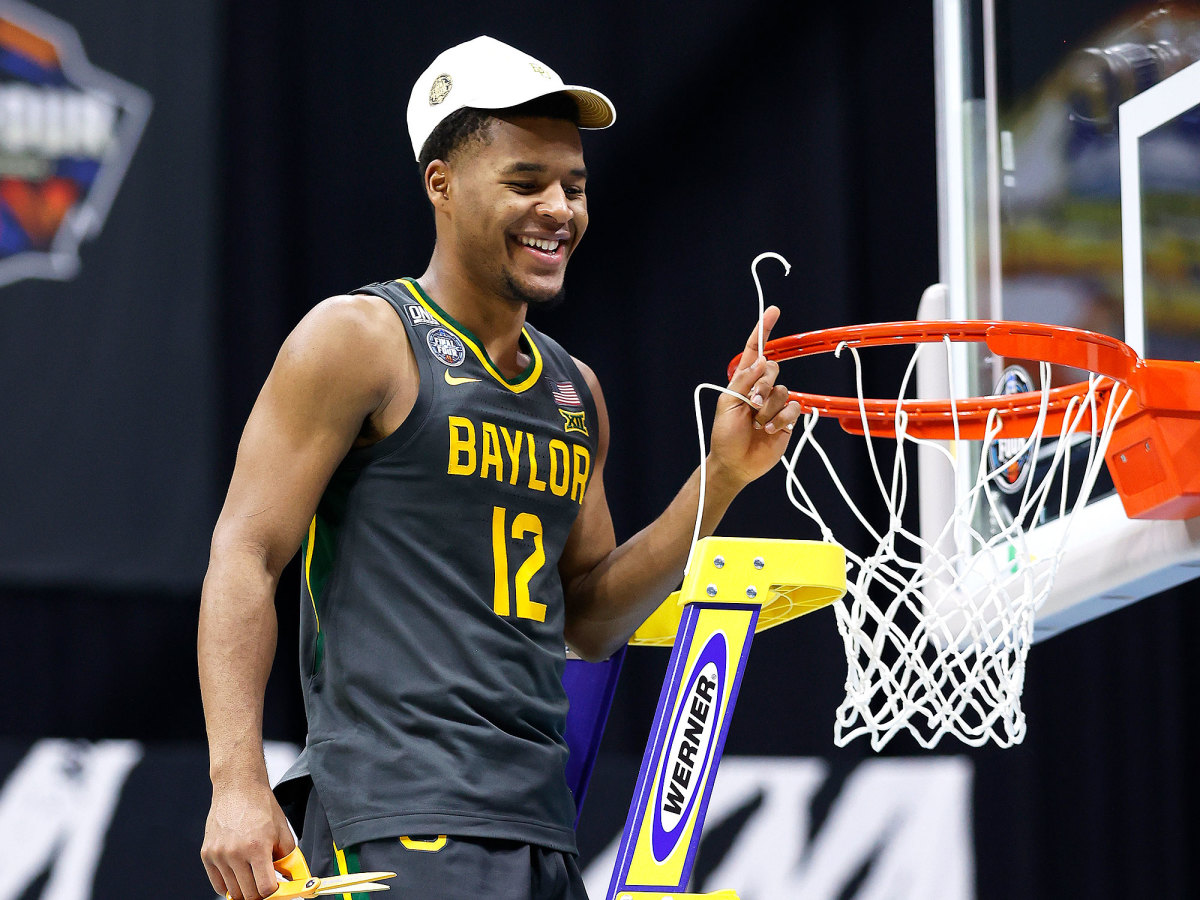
(936, 632)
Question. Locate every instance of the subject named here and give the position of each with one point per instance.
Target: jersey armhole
(419, 414)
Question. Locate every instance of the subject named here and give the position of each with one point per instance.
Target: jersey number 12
(523, 524)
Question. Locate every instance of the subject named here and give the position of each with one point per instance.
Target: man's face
(518, 208)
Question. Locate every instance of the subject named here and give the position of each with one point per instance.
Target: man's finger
(264, 878)
(764, 387)
(244, 892)
(745, 377)
(750, 353)
(216, 879)
(775, 398)
(247, 883)
(233, 887)
(785, 420)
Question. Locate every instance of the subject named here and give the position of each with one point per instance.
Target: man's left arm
(610, 590)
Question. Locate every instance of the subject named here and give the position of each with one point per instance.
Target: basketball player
(440, 463)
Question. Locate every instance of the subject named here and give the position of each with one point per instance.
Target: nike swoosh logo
(454, 379)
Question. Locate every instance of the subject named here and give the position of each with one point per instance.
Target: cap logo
(539, 69)
(441, 88)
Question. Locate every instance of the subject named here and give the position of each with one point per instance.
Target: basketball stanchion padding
(733, 588)
(936, 631)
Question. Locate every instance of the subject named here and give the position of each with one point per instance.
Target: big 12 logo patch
(67, 134)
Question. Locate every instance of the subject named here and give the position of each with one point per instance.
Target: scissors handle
(293, 866)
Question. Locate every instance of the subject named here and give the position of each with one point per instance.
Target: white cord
(787, 268)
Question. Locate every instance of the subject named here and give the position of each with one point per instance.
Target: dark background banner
(111, 398)
(275, 170)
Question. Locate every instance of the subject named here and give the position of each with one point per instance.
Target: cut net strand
(700, 388)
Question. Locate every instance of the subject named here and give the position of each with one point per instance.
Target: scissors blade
(360, 882)
(367, 888)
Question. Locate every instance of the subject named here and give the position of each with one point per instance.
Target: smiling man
(440, 465)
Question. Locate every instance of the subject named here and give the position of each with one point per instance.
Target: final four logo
(1010, 463)
(446, 346)
(67, 134)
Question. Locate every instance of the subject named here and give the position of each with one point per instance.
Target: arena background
(275, 170)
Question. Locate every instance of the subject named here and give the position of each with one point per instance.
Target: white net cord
(936, 632)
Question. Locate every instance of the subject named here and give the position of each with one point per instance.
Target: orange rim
(1017, 414)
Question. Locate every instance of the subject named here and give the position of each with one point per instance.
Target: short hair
(468, 125)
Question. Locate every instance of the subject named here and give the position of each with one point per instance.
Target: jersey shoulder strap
(409, 311)
(395, 293)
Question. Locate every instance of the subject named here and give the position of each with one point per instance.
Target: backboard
(1069, 193)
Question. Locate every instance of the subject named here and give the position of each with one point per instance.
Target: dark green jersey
(432, 630)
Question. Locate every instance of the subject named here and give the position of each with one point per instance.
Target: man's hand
(245, 833)
(747, 440)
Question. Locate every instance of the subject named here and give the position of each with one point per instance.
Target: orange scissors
(302, 883)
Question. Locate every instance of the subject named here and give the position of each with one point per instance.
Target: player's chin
(542, 293)
(549, 299)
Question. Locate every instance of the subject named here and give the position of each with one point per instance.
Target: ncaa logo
(1009, 466)
(446, 346)
(67, 134)
(418, 315)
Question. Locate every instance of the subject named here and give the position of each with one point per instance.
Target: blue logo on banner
(689, 748)
(67, 133)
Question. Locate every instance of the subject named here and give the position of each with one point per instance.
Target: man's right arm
(346, 365)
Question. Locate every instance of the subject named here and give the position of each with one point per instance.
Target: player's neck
(494, 320)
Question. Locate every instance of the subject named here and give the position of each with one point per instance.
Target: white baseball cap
(485, 73)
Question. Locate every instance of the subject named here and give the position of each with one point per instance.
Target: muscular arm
(327, 383)
(610, 590)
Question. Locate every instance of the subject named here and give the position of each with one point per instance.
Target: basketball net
(936, 632)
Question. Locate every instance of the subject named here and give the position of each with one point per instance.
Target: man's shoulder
(352, 346)
(348, 328)
(396, 288)
(361, 314)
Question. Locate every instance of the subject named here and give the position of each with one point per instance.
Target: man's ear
(437, 182)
